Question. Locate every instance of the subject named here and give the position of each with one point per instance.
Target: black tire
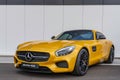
(81, 65)
(111, 56)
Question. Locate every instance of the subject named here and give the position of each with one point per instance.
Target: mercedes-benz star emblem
(28, 56)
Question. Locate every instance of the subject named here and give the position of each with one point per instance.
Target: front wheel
(111, 56)
(81, 65)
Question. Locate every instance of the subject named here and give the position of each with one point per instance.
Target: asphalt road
(97, 72)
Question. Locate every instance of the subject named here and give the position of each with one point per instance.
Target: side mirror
(53, 37)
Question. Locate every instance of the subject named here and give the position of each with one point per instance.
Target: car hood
(45, 45)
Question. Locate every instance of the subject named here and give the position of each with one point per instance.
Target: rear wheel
(81, 65)
(111, 56)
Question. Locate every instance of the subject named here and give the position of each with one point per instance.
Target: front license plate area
(30, 66)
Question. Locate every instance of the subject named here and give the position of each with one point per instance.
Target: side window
(65, 37)
(100, 36)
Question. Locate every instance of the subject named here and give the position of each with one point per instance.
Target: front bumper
(54, 64)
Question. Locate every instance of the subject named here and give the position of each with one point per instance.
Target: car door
(102, 43)
(97, 49)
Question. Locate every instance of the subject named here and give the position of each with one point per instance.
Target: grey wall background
(33, 21)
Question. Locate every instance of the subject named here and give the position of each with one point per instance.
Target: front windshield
(76, 35)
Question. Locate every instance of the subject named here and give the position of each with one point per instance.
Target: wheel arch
(78, 55)
(80, 50)
(85, 49)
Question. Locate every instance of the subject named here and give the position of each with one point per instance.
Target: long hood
(45, 45)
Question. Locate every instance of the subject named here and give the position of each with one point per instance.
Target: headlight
(65, 51)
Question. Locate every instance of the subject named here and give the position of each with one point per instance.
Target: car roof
(80, 30)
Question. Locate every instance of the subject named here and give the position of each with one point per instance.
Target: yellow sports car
(71, 51)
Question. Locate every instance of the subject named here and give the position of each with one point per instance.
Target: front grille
(31, 56)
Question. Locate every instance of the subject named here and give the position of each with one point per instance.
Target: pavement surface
(96, 72)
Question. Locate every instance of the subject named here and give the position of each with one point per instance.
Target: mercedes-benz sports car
(71, 51)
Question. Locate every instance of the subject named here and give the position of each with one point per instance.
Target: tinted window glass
(76, 35)
(100, 36)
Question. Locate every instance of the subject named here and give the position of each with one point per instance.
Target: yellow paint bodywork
(101, 54)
